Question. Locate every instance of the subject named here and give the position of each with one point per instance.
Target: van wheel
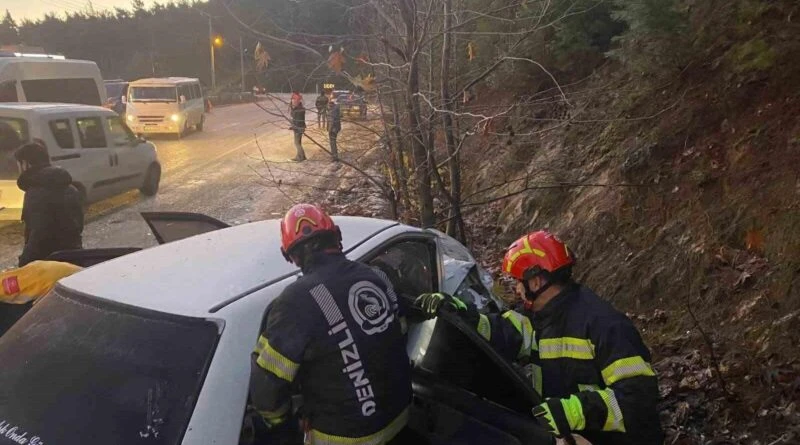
(199, 126)
(151, 181)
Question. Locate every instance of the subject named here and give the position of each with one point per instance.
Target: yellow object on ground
(33, 281)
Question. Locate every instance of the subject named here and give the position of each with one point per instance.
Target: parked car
(351, 104)
(155, 344)
(92, 143)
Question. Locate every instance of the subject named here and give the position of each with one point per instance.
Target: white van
(167, 105)
(31, 78)
(93, 144)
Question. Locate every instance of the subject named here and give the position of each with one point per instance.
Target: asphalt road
(210, 172)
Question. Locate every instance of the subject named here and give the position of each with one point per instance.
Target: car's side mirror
(183, 99)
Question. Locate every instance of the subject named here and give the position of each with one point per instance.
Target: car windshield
(115, 89)
(86, 370)
(158, 94)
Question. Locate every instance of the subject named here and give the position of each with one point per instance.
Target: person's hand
(560, 417)
(432, 303)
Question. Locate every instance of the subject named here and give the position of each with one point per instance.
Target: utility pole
(211, 45)
(241, 59)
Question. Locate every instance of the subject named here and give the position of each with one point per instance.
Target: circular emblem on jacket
(370, 307)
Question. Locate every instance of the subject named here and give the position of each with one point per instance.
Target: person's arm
(628, 402)
(510, 334)
(276, 359)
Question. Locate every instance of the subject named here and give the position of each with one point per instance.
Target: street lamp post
(211, 45)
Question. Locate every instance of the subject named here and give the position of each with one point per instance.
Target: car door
(464, 392)
(97, 159)
(173, 226)
(131, 162)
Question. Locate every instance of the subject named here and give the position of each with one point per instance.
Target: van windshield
(86, 370)
(154, 94)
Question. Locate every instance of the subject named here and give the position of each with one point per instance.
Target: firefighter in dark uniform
(334, 336)
(584, 357)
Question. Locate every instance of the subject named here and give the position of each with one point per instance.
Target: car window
(62, 133)
(8, 91)
(119, 133)
(71, 91)
(90, 131)
(185, 91)
(13, 133)
(198, 92)
(92, 371)
(410, 265)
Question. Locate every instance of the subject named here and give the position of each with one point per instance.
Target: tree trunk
(455, 223)
(422, 168)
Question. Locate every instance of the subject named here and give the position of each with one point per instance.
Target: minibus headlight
(131, 118)
(175, 117)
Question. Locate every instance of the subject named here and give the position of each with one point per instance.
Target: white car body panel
(198, 275)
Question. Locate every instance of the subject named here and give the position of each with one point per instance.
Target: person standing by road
(335, 334)
(298, 126)
(335, 128)
(583, 356)
(52, 209)
(322, 110)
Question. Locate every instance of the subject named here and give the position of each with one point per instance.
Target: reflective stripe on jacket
(580, 345)
(336, 335)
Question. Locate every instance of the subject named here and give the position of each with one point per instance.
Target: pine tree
(9, 32)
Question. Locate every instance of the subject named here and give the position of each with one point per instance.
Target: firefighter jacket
(579, 345)
(335, 336)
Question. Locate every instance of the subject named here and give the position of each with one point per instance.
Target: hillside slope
(681, 196)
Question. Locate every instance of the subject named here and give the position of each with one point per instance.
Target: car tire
(199, 126)
(152, 180)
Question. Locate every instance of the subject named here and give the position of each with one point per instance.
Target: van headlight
(131, 118)
(175, 117)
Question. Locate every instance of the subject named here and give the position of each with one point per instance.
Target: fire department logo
(370, 307)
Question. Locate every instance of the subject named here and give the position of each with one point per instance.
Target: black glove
(431, 304)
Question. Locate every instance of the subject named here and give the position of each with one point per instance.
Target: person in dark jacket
(335, 128)
(299, 127)
(583, 356)
(322, 110)
(335, 335)
(51, 210)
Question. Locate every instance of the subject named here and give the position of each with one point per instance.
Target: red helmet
(534, 253)
(303, 222)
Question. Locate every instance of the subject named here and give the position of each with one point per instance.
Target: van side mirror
(183, 99)
(123, 99)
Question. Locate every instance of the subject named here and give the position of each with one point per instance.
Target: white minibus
(167, 105)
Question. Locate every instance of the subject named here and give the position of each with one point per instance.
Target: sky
(36, 9)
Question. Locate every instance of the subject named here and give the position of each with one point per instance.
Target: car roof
(46, 107)
(163, 81)
(195, 275)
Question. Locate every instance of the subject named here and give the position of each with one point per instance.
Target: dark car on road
(115, 91)
(351, 103)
